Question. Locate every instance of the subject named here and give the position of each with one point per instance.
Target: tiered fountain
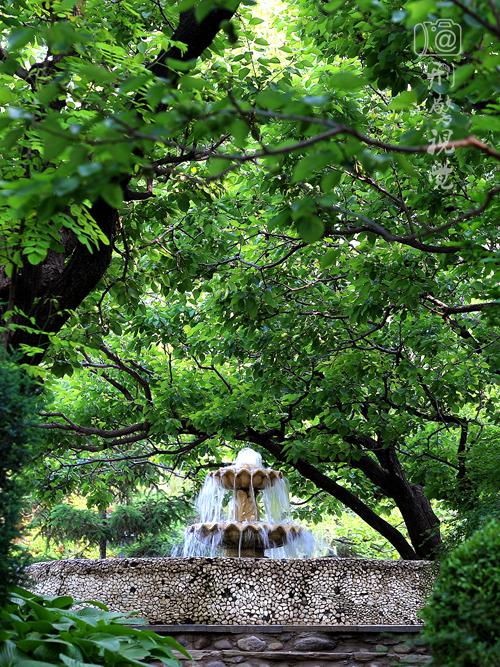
(244, 512)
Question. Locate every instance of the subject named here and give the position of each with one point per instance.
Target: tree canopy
(224, 223)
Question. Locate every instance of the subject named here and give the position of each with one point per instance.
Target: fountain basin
(253, 591)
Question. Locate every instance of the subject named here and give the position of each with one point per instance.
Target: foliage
(17, 443)
(152, 546)
(462, 614)
(38, 632)
(141, 526)
(350, 537)
(259, 251)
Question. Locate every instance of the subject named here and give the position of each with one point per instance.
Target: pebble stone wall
(249, 591)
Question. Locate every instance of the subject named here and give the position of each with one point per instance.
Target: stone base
(246, 591)
(300, 646)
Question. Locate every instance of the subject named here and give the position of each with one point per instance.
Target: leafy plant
(17, 437)
(43, 632)
(462, 614)
(132, 527)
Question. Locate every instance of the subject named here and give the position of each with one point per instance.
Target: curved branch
(342, 494)
(453, 310)
(89, 430)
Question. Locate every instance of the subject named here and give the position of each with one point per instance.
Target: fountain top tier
(247, 472)
(253, 520)
(247, 458)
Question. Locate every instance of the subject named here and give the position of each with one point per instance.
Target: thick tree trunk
(44, 295)
(421, 522)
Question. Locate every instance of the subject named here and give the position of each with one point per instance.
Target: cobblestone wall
(250, 591)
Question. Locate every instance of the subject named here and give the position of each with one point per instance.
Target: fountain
(244, 516)
(244, 512)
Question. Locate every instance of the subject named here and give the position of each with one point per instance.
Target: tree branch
(342, 494)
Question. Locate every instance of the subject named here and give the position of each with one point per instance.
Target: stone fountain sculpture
(244, 512)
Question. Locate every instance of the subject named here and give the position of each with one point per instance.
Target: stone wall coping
(251, 629)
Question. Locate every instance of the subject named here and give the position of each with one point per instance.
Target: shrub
(146, 526)
(462, 614)
(17, 436)
(46, 632)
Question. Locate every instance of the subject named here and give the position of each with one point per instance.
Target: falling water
(210, 500)
(276, 502)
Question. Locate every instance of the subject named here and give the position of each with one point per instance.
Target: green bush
(462, 614)
(17, 438)
(146, 526)
(44, 632)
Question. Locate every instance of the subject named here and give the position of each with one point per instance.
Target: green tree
(461, 615)
(86, 93)
(17, 442)
(148, 526)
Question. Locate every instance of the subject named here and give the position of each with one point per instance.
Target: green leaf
(89, 169)
(12, 137)
(216, 166)
(59, 370)
(6, 95)
(310, 229)
(112, 195)
(240, 130)
(36, 255)
(53, 146)
(19, 37)
(28, 662)
(62, 601)
(333, 5)
(47, 93)
(346, 81)
(329, 258)
(280, 220)
(419, 10)
(309, 164)
(404, 100)
(485, 123)
(191, 83)
(63, 186)
(96, 73)
(271, 99)
(330, 180)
